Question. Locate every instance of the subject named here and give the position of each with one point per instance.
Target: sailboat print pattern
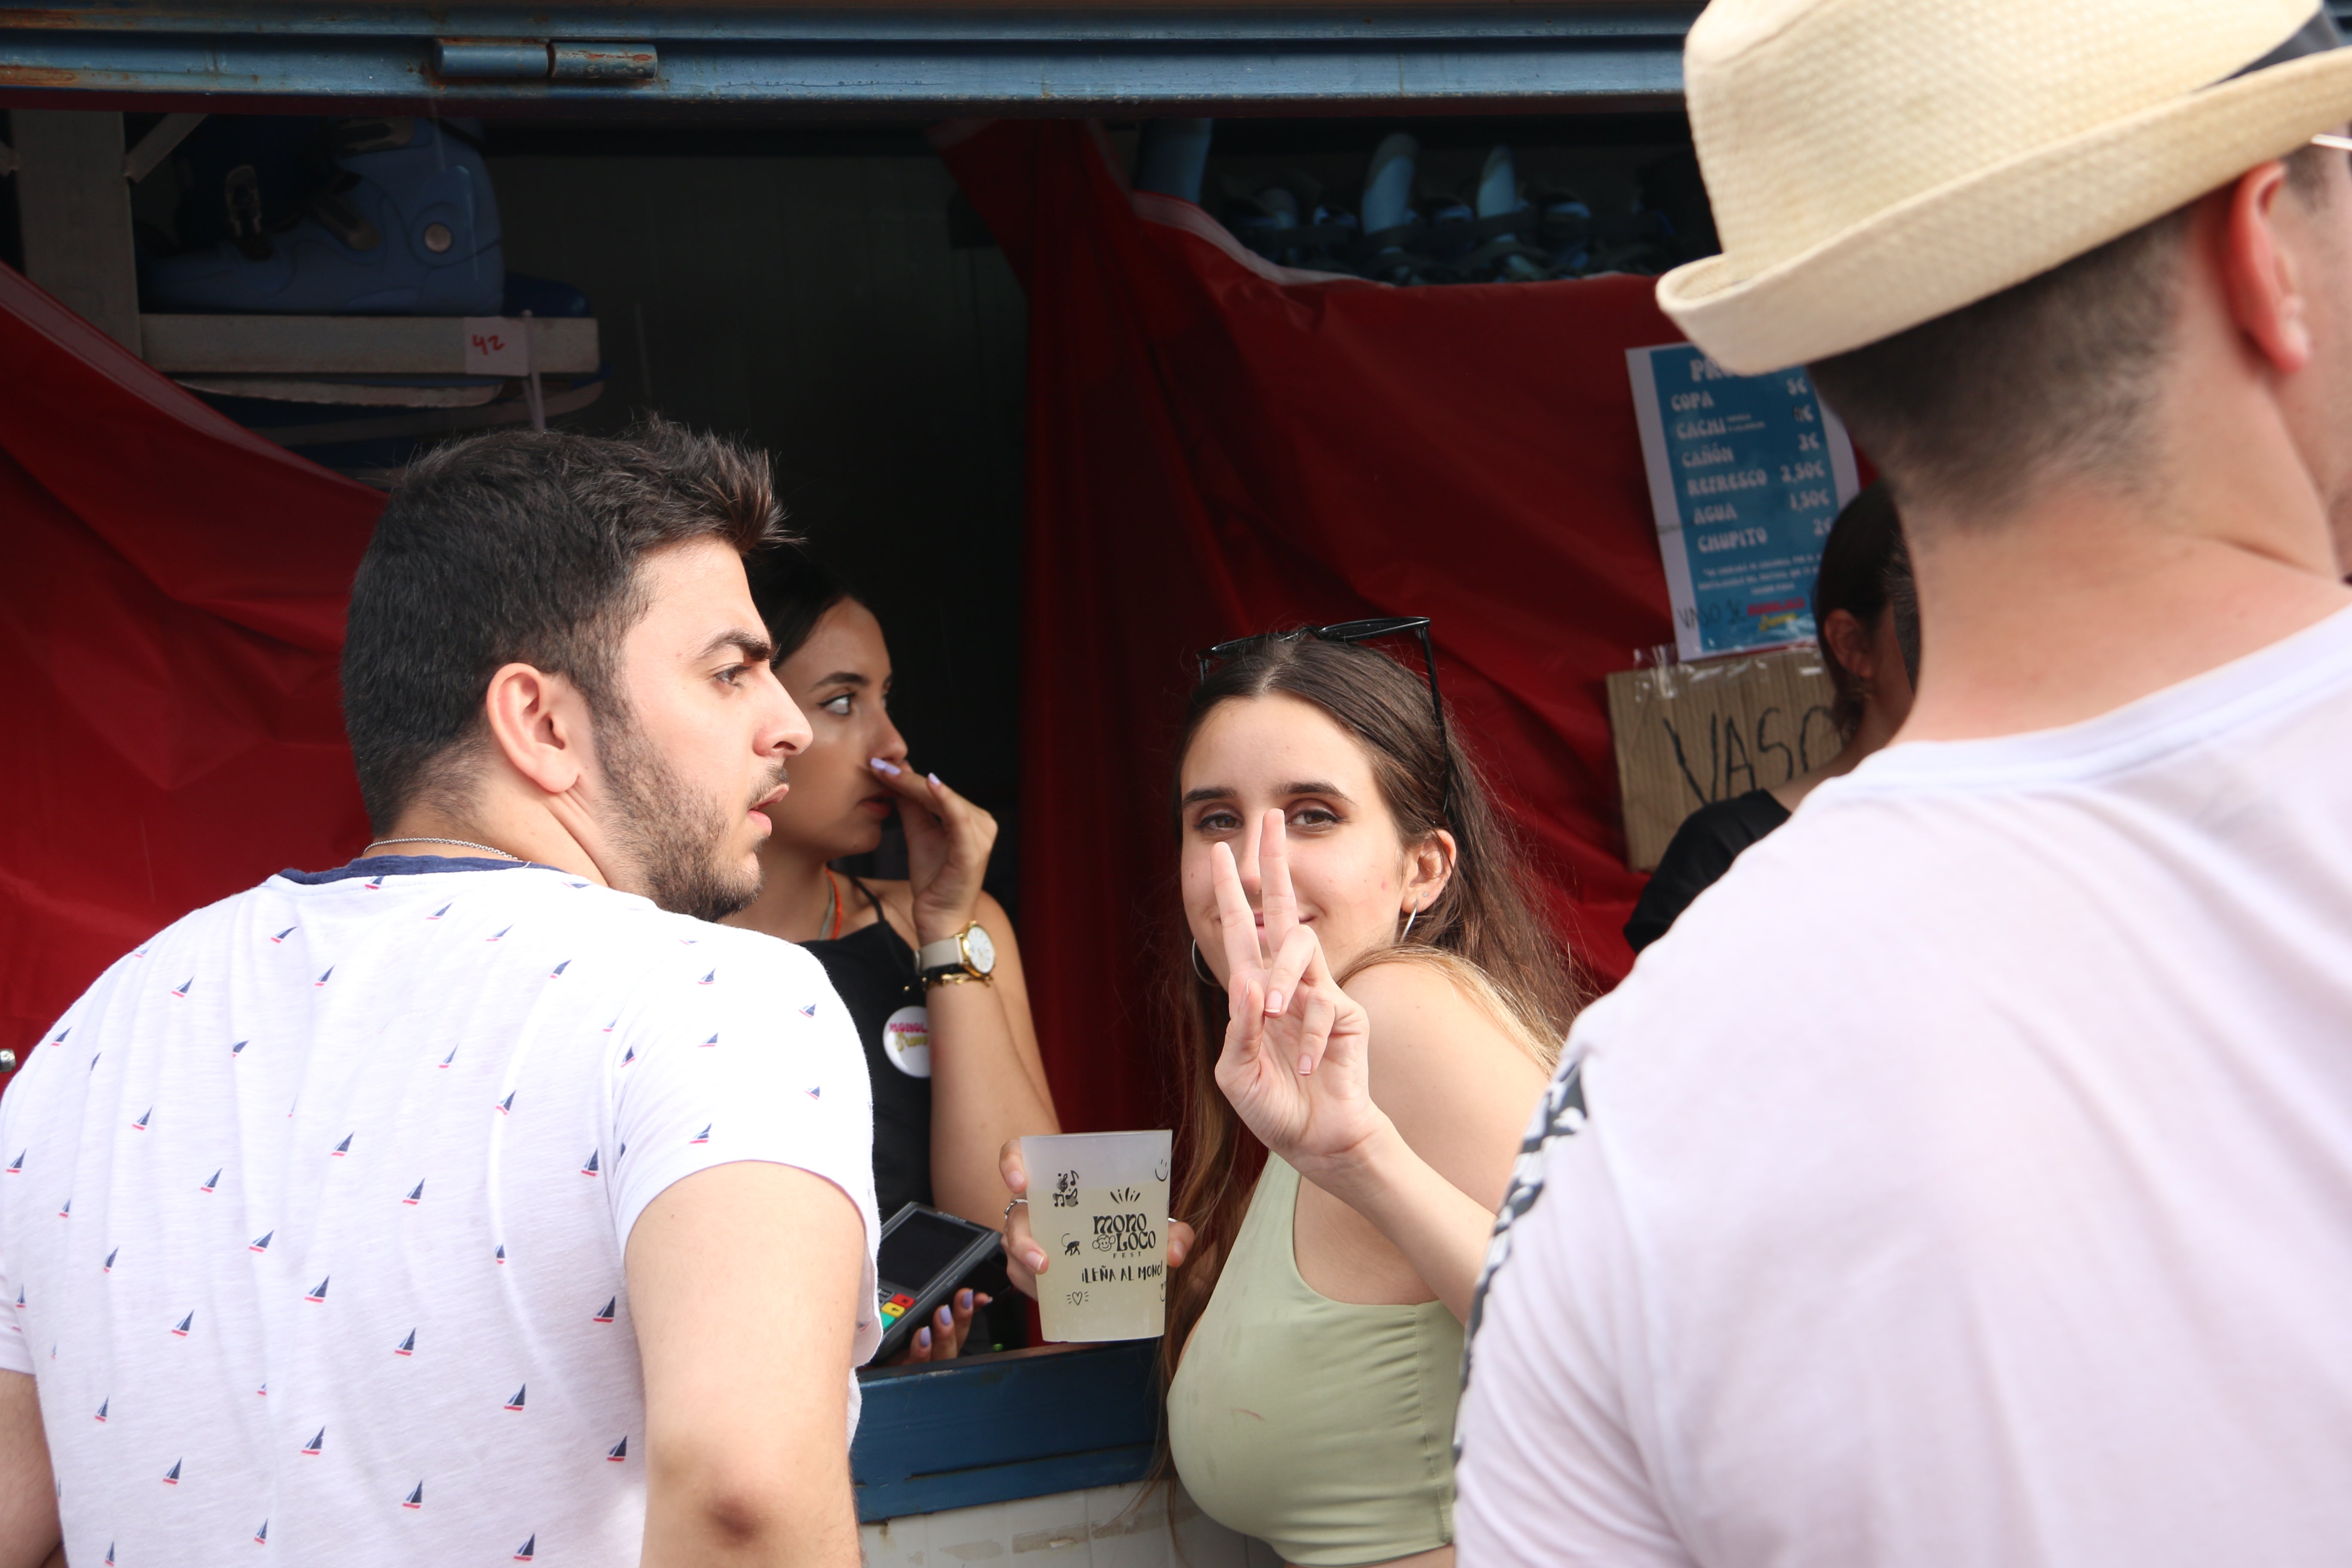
(386, 1008)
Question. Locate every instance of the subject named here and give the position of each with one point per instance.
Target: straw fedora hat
(1877, 163)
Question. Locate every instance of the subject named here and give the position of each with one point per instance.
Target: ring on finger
(1015, 1204)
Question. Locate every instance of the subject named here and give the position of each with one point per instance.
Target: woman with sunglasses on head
(1331, 835)
(928, 967)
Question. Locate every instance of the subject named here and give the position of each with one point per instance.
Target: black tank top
(873, 969)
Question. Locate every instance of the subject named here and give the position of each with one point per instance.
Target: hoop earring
(1201, 969)
(1409, 919)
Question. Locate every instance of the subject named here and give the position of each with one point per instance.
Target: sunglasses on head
(1357, 632)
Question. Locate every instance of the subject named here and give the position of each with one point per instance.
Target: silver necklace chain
(460, 842)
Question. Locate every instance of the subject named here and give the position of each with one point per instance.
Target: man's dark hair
(2053, 378)
(520, 546)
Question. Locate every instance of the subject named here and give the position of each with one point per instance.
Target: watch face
(979, 949)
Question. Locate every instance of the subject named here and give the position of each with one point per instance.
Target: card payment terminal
(925, 1254)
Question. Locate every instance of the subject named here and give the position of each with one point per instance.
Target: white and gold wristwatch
(954, 960)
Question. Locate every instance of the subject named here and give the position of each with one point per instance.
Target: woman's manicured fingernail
(985, 1299)
(963, 1300)
(935, 780)
(1306, 1065)
(922, 1339)
(1273, 1004)
(945, 1318)
(1036, 1263)
(880, 767)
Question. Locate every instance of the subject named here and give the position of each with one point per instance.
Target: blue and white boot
(409, 227)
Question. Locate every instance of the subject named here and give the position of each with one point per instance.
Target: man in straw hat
(1967, 1180)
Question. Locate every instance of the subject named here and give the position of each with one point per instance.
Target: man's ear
(1429, 870)
(2265, 269)
(1855, 649)
(539, 723)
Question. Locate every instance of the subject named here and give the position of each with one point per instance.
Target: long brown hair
(1481, 930)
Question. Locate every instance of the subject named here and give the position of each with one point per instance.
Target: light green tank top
(1323, 1428)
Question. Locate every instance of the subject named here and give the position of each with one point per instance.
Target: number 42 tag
(494, 346)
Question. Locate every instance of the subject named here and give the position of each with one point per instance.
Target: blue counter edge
(991, 1429)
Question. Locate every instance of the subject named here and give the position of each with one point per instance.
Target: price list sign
(1747, 473)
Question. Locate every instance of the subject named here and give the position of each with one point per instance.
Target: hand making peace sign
(1295, 1062)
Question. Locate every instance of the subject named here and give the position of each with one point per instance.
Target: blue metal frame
(1058, 1418)
(221, 56)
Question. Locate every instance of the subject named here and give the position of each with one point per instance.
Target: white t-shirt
(312, 1209)
(1967, 1180)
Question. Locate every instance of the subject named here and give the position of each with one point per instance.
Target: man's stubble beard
(674, 838)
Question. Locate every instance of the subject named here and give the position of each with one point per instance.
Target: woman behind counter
(1316, 1330)
(1867, 611)
(949, 1046)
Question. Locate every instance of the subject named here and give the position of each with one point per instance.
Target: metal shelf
(363, 345)
(847, 60)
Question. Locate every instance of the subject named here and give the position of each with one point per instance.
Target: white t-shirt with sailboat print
(313, 1208)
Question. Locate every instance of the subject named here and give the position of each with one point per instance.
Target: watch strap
(945, 953)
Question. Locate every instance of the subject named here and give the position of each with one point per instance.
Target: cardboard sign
(1691, 734)
(496, 345)
(1747, 473)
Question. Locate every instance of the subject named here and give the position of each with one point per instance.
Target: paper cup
(1098, 1208)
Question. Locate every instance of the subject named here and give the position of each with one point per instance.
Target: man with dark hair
(1966, 1180)
(479, 1200)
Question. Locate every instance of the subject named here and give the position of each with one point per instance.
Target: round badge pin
(907, 1041)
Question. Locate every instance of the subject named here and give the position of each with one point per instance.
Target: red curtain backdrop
(1218, 446)
(172, 593)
